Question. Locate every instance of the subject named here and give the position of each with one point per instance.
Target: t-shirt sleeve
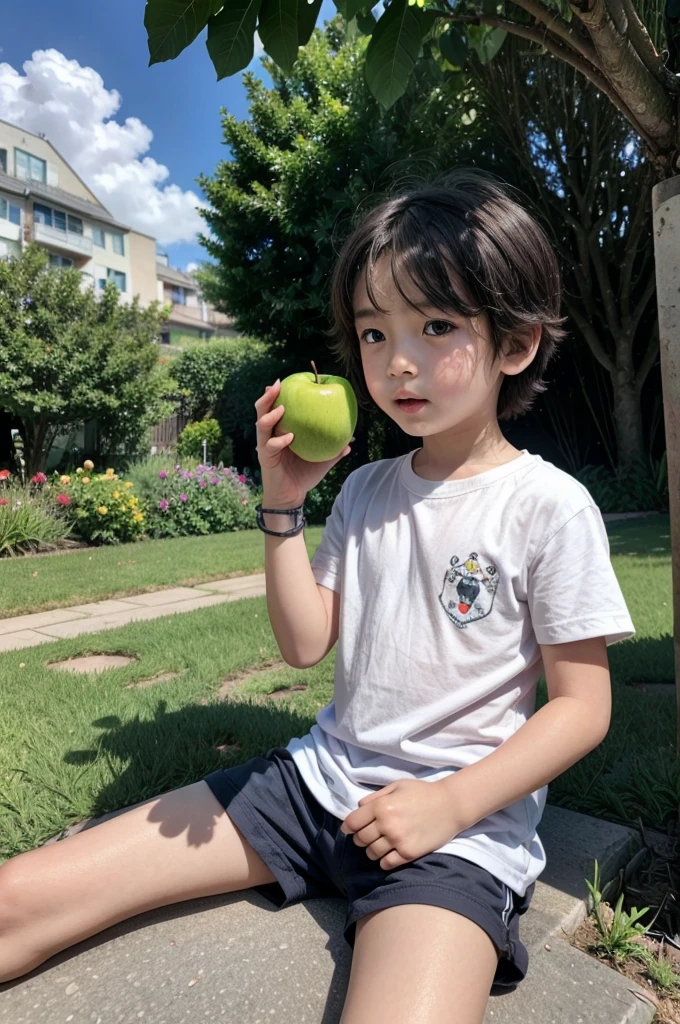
(572, 590)
(326, 561)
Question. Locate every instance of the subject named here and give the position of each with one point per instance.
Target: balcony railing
(67, 241)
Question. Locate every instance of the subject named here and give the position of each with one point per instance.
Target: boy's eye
(371, 330)
(437, 334)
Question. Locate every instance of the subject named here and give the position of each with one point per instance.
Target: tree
(67, 357)
(606, 40)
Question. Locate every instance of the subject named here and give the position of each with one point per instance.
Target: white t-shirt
(447, 590)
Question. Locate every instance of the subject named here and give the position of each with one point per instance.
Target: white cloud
(190, 267)
(258, 47)
(71, 105)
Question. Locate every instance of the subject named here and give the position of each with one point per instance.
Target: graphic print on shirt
(468, 590)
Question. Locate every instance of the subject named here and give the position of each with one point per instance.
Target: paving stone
(139, 614)
(38, 619)
(22, 638)
(103, 607)
(92, 663)
(163, 596)
(248, 584)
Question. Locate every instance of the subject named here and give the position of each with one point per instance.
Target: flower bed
(200, 501)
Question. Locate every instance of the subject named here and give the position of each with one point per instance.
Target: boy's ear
(520, 349)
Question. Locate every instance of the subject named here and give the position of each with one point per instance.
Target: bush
(201, 501)
(633, 491)
(190, 441)
(101, 508)
(30, 517)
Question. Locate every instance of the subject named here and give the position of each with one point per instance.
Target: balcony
(66, 241)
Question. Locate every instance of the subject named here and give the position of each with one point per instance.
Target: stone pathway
(42, 627)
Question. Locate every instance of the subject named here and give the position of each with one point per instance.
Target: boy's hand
(403, 821)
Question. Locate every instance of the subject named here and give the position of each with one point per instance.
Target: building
(42, 199)
(191, 316)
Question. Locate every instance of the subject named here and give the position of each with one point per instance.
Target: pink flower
(4, 474)
(244, 501)
(63, 499)
(3, 501)
(163, 505)
(242, 479)
(203, 483)
(39, 478)
(182, 497)
(162, 475)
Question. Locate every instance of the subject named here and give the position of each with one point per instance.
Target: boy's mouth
(411, 404)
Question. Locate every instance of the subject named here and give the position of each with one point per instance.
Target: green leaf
(453, 46)
(278, 29)
(172, 24)
(350, 8)
(486, 41)
(366, 23)
(231, 37)
(307, 15)
(394, 48)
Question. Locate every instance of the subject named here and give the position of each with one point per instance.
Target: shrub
(201, 501)
(632, 491)
(190, 441)
(30, 517)
(102, 508)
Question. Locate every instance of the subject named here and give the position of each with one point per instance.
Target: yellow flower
(109, 472)
(128, 484)
(65, 479)
(116, 494)
(138, 517)
(86, 479)
(102, 510)
(88, 465)
(79, 470)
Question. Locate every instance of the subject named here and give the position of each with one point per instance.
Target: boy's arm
(304, 628)
(573, 722)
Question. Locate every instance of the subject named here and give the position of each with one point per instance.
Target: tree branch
(553, 46)
(630, 78)
(561, 28)
(591, 336)
(646, 51)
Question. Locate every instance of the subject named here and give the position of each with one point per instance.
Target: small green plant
(203, 500)
(190, 441)
(30, 518)
(639, 490)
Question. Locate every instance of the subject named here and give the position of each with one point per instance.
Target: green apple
(321, 410)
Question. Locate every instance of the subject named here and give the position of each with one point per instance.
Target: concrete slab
(168, 596)
(133, 614)
(92, 663)
(23, 638)
(238, 583)
(103, 607)
(236, 959)
(38, 619)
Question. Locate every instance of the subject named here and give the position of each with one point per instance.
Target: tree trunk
(630, 441)
(35, 434)
(666, 208)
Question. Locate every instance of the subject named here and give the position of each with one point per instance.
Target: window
(3, 160)
(30, 167)
(178, 295)
(56, 219)
(117, 276)
(118, 243)
(60, 261)
(10, 212)
(98, 237)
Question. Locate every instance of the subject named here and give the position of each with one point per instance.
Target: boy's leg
(419, 964)
(178, 846)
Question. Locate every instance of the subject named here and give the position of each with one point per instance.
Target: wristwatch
(297, 514)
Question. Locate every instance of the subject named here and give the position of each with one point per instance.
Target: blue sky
(179, 101)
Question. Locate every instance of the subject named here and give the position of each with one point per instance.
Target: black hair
(463, 223)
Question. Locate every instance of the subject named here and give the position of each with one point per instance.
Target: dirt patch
(93, 663)
(161, 677)
(233, 681)
(654, 883)
(63, 547)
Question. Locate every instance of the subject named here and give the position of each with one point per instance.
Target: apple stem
(315, 371)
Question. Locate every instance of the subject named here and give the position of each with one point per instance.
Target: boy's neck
(474, 464)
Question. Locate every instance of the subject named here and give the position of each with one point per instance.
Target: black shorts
(302, 846)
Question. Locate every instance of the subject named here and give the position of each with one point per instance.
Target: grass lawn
(74, 746)
(41, 582)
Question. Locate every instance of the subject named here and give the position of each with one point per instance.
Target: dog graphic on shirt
(468, 590)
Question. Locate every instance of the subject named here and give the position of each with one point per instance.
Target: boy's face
(435, 355)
